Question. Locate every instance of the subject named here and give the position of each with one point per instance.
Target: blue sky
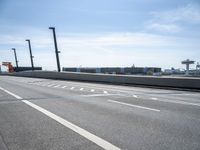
(95, 33)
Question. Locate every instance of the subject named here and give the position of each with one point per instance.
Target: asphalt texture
(129, 118)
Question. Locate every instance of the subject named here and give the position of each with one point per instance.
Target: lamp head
(52, 28)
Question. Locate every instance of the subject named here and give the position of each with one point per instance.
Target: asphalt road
(43, 114)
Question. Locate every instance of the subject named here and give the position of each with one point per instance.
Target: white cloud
(113, 39)
(172, 28)
(102, 49)
(189, 14)
(171, 20)
(9, 39)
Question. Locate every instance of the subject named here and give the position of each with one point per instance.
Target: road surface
(44, 114)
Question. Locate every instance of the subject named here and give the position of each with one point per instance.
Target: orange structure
(9, 65)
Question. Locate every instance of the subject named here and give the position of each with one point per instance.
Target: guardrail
(172, 82)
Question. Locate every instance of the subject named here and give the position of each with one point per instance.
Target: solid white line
(99, 141)
(14, 95)
(137, 106)
(95, 139)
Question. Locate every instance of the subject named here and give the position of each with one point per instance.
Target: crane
(9, 66)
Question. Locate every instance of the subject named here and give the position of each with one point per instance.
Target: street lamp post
(15, 57)
(56, 48)
(31, 56)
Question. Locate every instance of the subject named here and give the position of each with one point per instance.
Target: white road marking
(99, 141)
(81, 89)
(100, 87)
(96, 95)
(14, 95)
(57, 86)
(154, 98)
(124, 95)
(64, 87)
(92, 90)
(105, 92)
(135, 96)
(71, 88)
(137, 106)
(95, 139)
(50, 85)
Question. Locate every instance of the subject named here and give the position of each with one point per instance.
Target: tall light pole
(31, 56)
(56, 48)
(15, 57)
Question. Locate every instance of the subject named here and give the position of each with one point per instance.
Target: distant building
(173, 71)
(18, 69)
(116, 70)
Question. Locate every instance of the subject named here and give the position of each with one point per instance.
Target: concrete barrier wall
(175, 82)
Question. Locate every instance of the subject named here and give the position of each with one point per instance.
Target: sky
(101, 33)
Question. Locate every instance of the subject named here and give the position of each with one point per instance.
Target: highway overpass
(47, 114)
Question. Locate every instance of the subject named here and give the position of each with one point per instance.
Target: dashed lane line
(154, 99)
(56, 86)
